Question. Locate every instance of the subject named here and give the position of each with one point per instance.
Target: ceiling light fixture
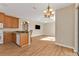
(48, 12)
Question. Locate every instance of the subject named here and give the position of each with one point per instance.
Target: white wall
(65, 26)
(49, 29)
(36, 32)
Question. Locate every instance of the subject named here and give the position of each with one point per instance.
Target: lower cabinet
(22, 39)
(9, 37)
(14, 37)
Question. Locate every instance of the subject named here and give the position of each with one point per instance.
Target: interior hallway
(38, 47)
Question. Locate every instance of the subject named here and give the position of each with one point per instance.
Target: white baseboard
(64, 45)
(36, 35)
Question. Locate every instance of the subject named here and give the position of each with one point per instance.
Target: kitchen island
(22, 36)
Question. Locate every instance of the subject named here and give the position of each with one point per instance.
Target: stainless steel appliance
(1, 33)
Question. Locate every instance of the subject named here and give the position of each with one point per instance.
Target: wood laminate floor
(38, 47)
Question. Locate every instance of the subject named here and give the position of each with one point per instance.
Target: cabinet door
(14, 37)
(7, 22)
(15, 22)
(23, 39)
(2, 17)
(11, 22)
(7, 37)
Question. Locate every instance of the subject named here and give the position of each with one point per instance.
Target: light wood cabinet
(15, 22)
(7, 37)
(7, 22)
(10, 22)
(14, 37)
(2, 17)
(23, 39)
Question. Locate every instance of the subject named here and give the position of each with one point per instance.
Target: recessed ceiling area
(32, 11)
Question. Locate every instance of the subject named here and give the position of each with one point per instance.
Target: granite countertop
(22, 31)
(16, 30)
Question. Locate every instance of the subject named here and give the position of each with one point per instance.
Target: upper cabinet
(15, 22)
(7, 22)
(2, 16)
(11, 22)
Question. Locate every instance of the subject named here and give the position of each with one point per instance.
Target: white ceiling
(33, 11)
